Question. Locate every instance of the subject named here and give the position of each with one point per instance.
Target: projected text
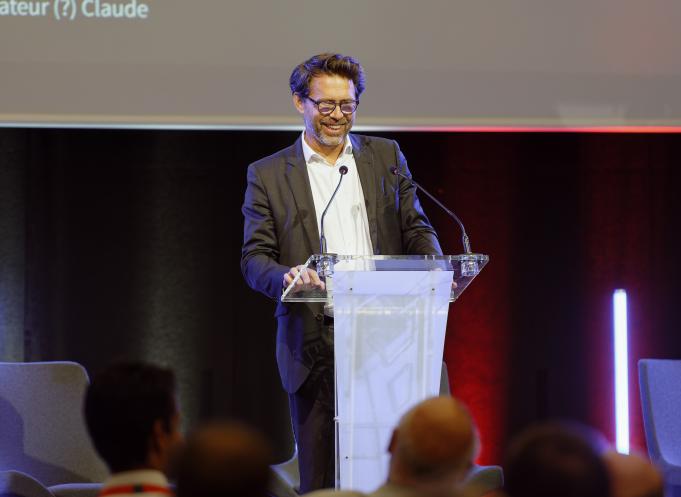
(70, 10)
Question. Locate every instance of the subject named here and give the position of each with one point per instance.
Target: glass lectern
(390, 318)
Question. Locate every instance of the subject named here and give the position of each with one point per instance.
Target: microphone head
(394, 170)
(343, 170)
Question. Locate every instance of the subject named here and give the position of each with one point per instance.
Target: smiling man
(374, 212)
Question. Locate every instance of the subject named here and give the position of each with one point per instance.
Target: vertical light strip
(619, 307)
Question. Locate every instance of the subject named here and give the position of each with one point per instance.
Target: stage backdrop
(127, 243)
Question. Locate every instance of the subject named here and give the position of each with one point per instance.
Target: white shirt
(346, 227)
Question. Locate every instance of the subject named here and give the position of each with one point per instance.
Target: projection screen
(429, 64)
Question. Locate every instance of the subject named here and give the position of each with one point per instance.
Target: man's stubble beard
(332, 141)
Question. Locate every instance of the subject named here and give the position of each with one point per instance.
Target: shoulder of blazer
(377, 144)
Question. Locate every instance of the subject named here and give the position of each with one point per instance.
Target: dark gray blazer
(280, 231)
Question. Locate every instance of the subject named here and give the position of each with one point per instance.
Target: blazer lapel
(299, 183)
(365, 168)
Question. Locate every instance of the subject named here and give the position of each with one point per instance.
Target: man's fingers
(290, 276)
(305, 276)
(314, 277)
(308, 278)
(316, 281)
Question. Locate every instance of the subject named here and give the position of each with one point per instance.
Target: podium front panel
(389, 337)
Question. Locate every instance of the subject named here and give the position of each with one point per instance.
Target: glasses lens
(326, 107)
(348, 107)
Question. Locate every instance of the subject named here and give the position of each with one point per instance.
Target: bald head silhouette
(433, 446)
(632, 476)
(224, 460)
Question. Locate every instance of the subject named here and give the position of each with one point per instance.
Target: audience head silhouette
(433, 446)
(556, 460)
(224, 460)
(633, 476)
(132, 416)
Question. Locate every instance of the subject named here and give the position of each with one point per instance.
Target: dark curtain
(126, 244)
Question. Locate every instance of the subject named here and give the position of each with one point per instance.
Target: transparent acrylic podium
(390, 318)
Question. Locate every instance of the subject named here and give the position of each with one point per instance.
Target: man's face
(326, 131)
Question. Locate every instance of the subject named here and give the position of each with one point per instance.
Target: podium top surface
(322, 268)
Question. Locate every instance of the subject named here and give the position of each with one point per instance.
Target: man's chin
(332, 141)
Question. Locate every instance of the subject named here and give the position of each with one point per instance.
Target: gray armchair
(18, 484)
(43, 432)
(660, 384)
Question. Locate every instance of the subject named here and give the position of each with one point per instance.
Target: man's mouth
(334, 127)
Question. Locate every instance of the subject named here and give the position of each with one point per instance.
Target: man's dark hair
(552, 459)
(228, 459)
(121, 406)
(331, 64)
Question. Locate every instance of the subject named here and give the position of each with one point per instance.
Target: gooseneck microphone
(464, 236)
(343, 170)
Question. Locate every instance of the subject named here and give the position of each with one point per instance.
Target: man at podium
(373, 212)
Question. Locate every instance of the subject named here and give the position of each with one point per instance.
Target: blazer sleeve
(260, 251)
(418, 235)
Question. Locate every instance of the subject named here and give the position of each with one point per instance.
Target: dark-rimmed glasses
(326, 107)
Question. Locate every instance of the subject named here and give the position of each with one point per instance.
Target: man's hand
(309, 279)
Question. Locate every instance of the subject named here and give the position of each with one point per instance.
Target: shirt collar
(312, 156)
(149, 476)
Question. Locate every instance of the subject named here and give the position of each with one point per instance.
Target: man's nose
(337, 114)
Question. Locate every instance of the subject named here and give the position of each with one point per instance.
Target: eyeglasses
(326, 107)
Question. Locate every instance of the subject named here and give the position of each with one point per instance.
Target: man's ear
(299, 103)
(158, 434)
(158, 445)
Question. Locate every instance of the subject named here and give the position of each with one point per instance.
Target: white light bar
(619, 307)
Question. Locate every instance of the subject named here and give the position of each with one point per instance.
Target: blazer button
(319, 317)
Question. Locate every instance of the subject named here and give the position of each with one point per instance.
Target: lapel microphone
(464, 236)
(343, 170)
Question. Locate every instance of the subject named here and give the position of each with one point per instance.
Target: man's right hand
(309, 279)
